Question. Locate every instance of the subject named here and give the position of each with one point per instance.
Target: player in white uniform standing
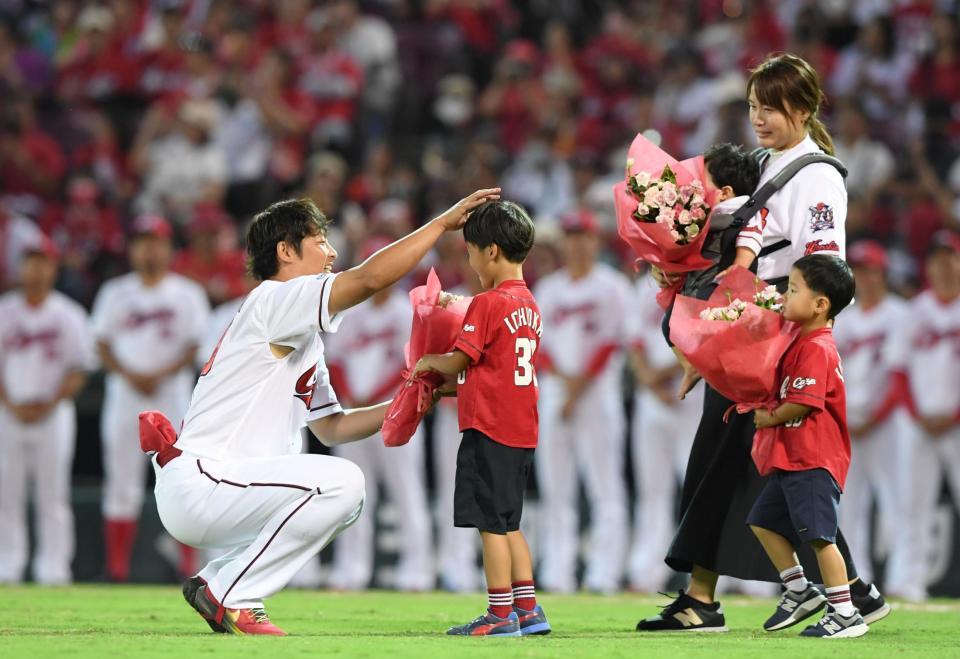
(661, 436)
(235, 478)
(929, 353)
(457, 548)
(366, 359)
(877, 427)
(581, 413)
(148, 324)
(47, 347)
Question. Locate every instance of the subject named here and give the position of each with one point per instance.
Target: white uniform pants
(124, 464)
(401, 470)
(661, 438)
(589, 445)
(271, 514)
(457, 548)
(931, 460)
(38, 455)
(878, 468)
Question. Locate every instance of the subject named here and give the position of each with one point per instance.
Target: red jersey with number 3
(497, 394)
(811, 375)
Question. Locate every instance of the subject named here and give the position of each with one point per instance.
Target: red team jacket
(810, 374)
(497, 394)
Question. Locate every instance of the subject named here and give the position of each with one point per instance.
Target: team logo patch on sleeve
(801, 383)
(469, 328)
(821, 217)
(819, 246)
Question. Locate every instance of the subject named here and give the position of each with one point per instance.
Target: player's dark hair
(732, 165)
(504, 224)
(287, 221)
(829, 276)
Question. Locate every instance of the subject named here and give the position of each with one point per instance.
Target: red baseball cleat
(235, 621)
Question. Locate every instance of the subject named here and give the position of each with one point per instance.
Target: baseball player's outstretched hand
(456, 216)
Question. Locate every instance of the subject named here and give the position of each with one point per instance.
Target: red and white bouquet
(681, 209)
(739, 355)
(437, 321)
(768, 298)
(663, 210)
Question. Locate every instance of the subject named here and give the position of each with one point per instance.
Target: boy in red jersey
(497, 401)
(808, 455)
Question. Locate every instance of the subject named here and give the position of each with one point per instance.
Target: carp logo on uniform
(469, 328)
(304, 388)
(815, 246)
(801, 383)
(821, 217)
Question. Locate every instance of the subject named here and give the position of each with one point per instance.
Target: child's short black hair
(287, 221)
(504, 224)
(732, 165)
(829, 276)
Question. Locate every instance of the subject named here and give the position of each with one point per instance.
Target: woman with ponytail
(721, 483)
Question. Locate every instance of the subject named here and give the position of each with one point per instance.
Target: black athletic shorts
(799, 505)
(490, 483)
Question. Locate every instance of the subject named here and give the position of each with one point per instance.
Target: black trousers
(719, 488)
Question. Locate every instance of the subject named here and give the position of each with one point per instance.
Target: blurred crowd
(385, 112)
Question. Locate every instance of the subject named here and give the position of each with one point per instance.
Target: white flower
(643, 210)
(693, 230)
(669, 194)
(651, 197)
(684, 217)
(629, 163)
(642, 179)
(675, 235)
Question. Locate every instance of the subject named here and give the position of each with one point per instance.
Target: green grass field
(135, 621)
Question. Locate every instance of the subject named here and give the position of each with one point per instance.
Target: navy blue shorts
(802, 506)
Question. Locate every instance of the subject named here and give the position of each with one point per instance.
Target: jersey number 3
(524, 349)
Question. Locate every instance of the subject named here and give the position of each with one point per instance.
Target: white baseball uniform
(457, 548)
(878, 459)
(368, 352)
(218, 322)
(41, 346)
(147, 329)
(661, 437)
(586, 319)
(928, 350)
(810, 211)
(241, 482)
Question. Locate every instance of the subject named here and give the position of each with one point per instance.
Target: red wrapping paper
(739, 359)
(435, 330)
(651, 241)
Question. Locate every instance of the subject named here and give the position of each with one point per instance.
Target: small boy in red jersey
(497, 402)
(808, 455)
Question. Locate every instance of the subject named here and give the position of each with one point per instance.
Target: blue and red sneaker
(489, 625)
(532, 623)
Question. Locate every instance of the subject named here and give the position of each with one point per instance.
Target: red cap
(372, 245)
(944, 239)
(868, 254)
(152, 225)
(580, 221)
(41, 244)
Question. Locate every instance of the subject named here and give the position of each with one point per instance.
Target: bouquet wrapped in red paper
(736, 338)
(663, 209)
(437, 321)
